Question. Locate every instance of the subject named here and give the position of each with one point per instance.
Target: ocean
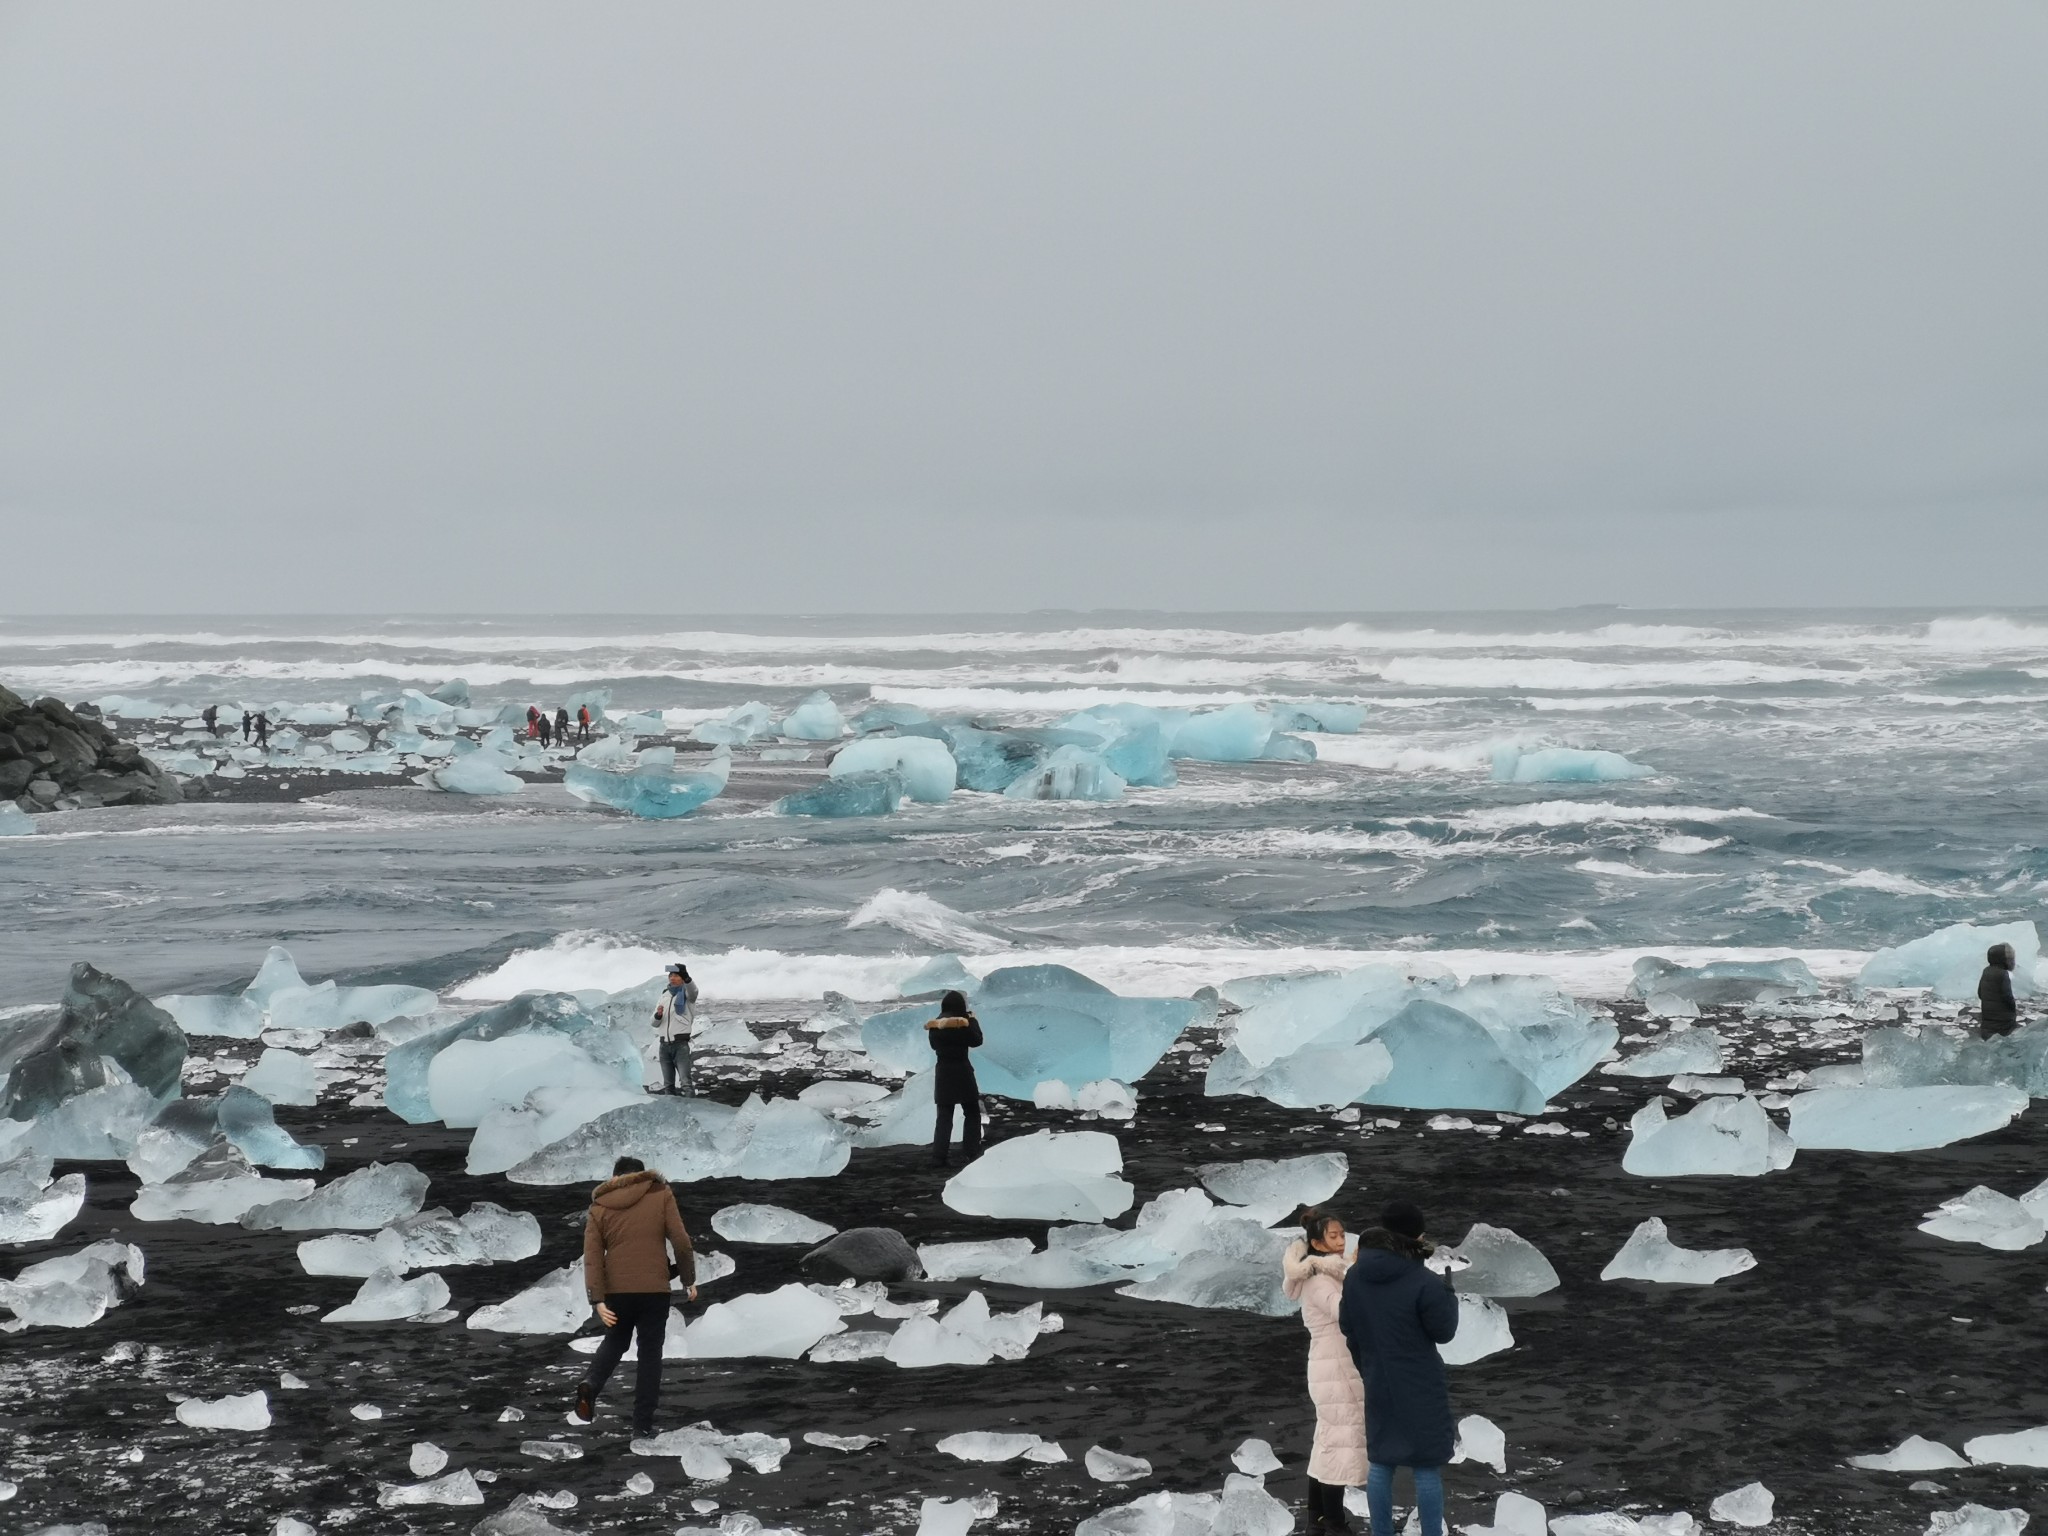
(1823, 783)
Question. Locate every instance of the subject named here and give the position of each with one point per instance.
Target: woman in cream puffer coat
(1313, 1274)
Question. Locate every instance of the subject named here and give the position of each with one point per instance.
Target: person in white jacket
(675, 1018)
(1313, 1274)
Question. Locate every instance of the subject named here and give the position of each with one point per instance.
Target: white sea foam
(1395, 755)
(1538, 673)
(1632, 872)
(577, 961)
(919, 916)
(1578, 813)
(1684, 842)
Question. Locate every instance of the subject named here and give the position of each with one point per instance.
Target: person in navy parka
(1394, 1314)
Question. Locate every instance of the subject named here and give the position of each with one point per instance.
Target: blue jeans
(675, 1064)
(1429, 1499)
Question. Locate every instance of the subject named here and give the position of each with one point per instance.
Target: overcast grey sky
(760, 306)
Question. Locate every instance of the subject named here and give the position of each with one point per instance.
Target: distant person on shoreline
(1998, 1011)
(211, 715)
(532, 722)
(561, 725)
(952, 1035)
(263, 729)
(248, 720)
(547, 732)
(632, 1225)
(1312, 1273)
(1394, 1314)
(582, 725)
(675, 1018)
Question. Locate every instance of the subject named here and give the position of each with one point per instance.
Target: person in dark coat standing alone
(952, 1035)
(1394, 1314)
(1998, 1011)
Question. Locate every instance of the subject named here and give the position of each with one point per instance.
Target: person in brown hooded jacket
(633, 1223)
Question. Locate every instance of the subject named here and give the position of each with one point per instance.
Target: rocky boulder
(52, 758)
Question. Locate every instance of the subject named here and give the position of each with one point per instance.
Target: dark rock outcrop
(865, 1253)
(44, 1060)
(53, 758)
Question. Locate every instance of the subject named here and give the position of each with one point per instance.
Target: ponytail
(1315, 1221)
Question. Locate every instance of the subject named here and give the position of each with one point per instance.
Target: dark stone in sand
(866, 1253)
(47, 1061)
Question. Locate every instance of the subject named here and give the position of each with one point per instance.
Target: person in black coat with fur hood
(953, 1034)
(1394, 1314)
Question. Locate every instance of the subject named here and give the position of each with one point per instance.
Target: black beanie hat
(1402, 1217)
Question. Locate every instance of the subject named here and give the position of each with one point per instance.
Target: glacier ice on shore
(1751, 1505)
(1983, 1215)
(1045, 1176)
(816, 718)
(779, 1325)
(1244, 1508)
(685, 1139)
(1068, 773)
(1721, 983)
(1950, 960)
(543, 1019)
(1482, 1330)
(1716, 1136)
(856, 794)
(1562, 765)
(248, 1411)
(246, 1119)
(1649, 1254)
(1683, 1050)
(1895, 1057)
(1977, 1520)
(387, 1297)
(469, 1078)
(2021, 1448)
(653, 788)
(1503, 1043)
(1273, 1187)
(968, 1334)
(280, 998)
(101, 1024)
(1499, 1262)
(925, 766)
(1912, 1454)
(364, 1200)
(33, 1207)
(485, 1234)
(555, 1303)
(283, 1077)
(747, 1223)
(14, 821)
(1901, 1119)
(217, 1186)
(1044, 1023)
(482, 772)
(74, 1290)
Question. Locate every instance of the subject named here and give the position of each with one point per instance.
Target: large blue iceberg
(817, 718)
(652, 788)
(487, 1075)
(1069, 773)
(1951, 959)
(857, 794)
(925, 766)
(1563, 765)
(737, 727)
(1044, 1023)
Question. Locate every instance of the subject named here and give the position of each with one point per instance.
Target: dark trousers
(644, 1313)
(967, 1097)
(1326, 1505)
(675, 1064)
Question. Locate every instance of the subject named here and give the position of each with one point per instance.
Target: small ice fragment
(702, 1464)
(1514, 1514)
(1977, 1520)
(971, 1261)
(361, 1201)
(458, 1488)
(283, 1077)
(1500, 1263)
(1915, 1453)
(952, 1517)
(291, 1383)
(512, 1416)
(1255, 1458)
(367, 1411)
(1289, 1182)
(550, 1450)
(1481, 1440)
(1108, 1467)
(1716, 1136)
(1750, 1505)
(249, 1411)
(768, 1224)
(1983, 1215)
(555, 1303)
(388, 1297)
(988, 1445)
(1482, 1330)
(639, 1484)
(1649, 1254)
(427, 1459)
(840, 1442)
(287, 1526)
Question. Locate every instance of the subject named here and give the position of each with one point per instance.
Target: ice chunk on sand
(387, 1297)
(779, 1325)
(768, 1224)
(971, 1261)
(1189, 1252)
(1912, 1454)
(856, 794)
(1716, 1136)
(1563, 765)
(508, 1135)
(2023, 1448)
(762, 1453)
(1514, 1514)
(925, 766)
(1482, 1330)
(736, 727)
(361, 1201)
(1684, 1050)
(1983, 1215)
(989, 1445)
(1721, 983)
(1977, 1520)
(684, 1139)
(1244, 1509)
(283, 1077)
(1106, 1466)
(476, 773)
(1901, 1119)
(1044, 1023)
(457, 1488)
(1481, 1440)
(216, 1187)
(1277, 1183)
(33, 1209)
(1255, 1458)
(817, 718)
(74, 1290)
(247, 1120)
(833, 1094)
(1750, 1505)
(1045, 1176)
(485, 1234)
(1069, 773)
(1500, 1263)
(555, 1303)
(549, 1016)
(652, 789)
(426, 1459)
(48, 1059)
(952, 1517)
(470, 1078)
(279, 998)
(1951, 959)
(967, 1335)
(1649, 1254)
(14, 821)
(819, 1438)
(249, 1411)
